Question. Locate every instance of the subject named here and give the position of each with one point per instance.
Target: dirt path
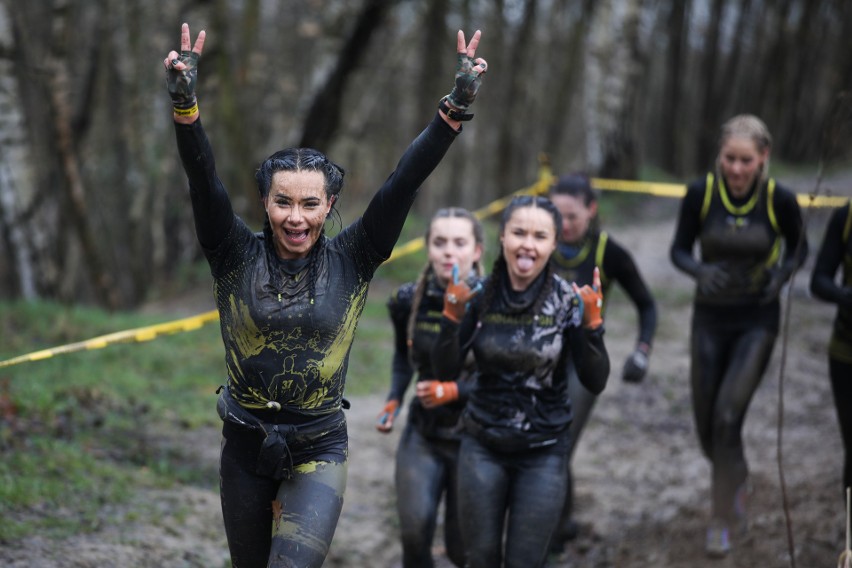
(642, 484)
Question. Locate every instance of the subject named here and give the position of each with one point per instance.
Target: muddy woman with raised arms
(289, 298)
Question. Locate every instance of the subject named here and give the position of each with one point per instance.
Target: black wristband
(453, 113)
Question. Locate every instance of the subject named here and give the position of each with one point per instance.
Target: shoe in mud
(718, 541)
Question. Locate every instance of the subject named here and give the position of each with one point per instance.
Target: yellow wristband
(186, 111)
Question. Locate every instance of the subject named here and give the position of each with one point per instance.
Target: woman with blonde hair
(750, 240)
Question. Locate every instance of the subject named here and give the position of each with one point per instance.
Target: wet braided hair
(579, 186)
(295, 160)
(426, 273)
(499, 271)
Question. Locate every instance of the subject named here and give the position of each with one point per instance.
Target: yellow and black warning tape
(540, 187)
(138, 335)
(679, 190)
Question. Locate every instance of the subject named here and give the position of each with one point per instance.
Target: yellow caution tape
(137, 335)
(679, 190)
(540, 187)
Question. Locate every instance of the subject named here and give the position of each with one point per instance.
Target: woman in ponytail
(523, 330)
(428, 448)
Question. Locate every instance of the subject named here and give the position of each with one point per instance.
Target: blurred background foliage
(93, 203)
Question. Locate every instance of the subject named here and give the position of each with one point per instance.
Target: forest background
(93, 202)
(109, 457)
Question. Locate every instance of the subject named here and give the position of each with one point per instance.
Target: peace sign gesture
(469, 73)
(182, 73)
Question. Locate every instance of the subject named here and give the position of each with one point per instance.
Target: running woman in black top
(289, 299)
(836, 253)
(523, 330)
(750, 237)
(582, 247)
(427, 456)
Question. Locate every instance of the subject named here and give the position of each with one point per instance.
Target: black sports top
(441, 421)
(280, 344)
(744, 236)
(836, 252)
(576, 263)
(522, 357)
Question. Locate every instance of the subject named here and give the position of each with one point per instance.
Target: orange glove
(384, 423)
(436, 393)
(457, 296)
(592, 301)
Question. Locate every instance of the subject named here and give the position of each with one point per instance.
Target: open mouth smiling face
(297, 207)
(528, 240)
(741, 162)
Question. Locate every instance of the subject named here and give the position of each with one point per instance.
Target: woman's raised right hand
(182, 71)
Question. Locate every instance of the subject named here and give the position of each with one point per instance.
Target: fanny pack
(507, 439)
(275, 459)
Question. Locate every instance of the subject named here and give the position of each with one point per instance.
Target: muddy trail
(642, 484)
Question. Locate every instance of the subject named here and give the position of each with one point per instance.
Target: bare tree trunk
(672, 130)
(432, 55)
(614, 64)
(710, 110)
(15, 234)
(770, 74)
(795, 130)
(237, 27)
(323, 117)
(729, 72)
(30, 84)
(567, 79)
(513, 98)
(97, 270)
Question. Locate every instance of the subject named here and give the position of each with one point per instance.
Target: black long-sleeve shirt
(282, 345)
(576, 263)
(522, 357)
(744, 237)
(836, 252)
(414, 355)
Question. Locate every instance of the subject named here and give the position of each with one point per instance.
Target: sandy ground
(642, 484)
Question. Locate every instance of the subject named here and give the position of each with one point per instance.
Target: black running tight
(727, 366)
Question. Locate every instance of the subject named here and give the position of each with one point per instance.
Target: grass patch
(55, 487)
(84, 430)
(81, 432)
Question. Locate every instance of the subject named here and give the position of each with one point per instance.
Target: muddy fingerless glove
(711, 279)
(636, 365)
(181, 83)
(468, 81)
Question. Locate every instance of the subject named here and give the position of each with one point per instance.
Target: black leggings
(728, 362)
(311, 501)
(519, 494)
(426, 470)
(841, 386)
